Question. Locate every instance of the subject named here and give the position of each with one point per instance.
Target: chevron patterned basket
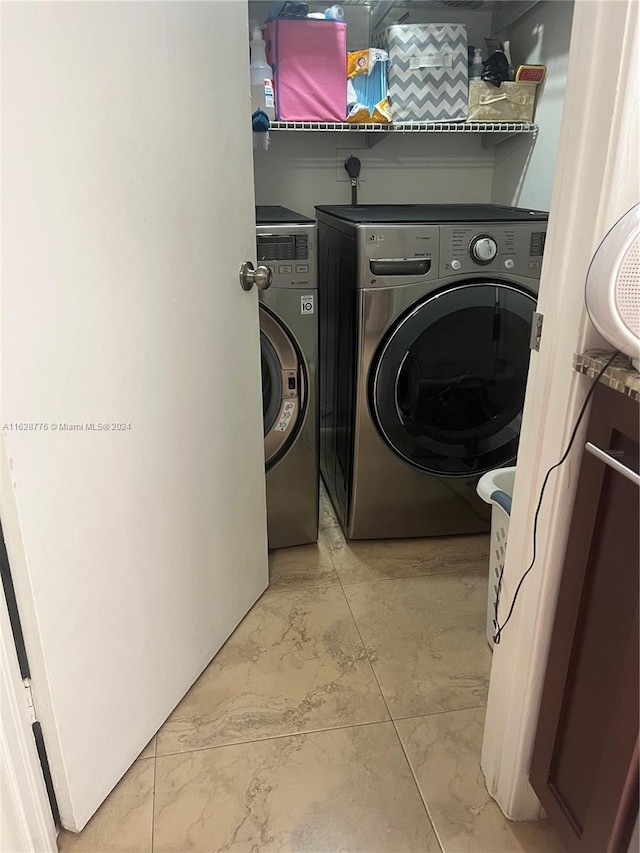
(428, 75)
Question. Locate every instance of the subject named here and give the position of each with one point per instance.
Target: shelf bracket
(491, 140)
(508, 13)
(373, 139)
(382, 10)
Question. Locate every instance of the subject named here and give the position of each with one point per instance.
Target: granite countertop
(621, 375)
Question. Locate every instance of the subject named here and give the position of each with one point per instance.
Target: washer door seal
(284, 387)
(447, 384)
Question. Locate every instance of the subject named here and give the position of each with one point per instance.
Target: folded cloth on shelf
(260, 121)
(288, 9)
(260, 125)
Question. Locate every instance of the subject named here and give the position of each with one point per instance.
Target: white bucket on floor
(496, 489)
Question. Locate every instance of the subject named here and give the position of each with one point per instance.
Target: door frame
(587, 209)
(597, 180)
(24, 802)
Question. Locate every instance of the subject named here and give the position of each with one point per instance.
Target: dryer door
(447, 384)
(283, 387)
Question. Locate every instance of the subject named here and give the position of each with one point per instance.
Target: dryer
(286, 242)
(425, 335)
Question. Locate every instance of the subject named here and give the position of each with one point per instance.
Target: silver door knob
(261, 277)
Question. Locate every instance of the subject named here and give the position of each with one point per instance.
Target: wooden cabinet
(585, 761)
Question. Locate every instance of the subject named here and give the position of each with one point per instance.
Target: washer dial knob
(483, 249)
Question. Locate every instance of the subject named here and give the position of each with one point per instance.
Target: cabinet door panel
(604, 631)
(588, 725)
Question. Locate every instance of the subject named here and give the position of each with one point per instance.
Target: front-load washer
(426, 314)
(286, 242)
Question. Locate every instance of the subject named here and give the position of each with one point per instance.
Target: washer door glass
(448, 383)
(283, 387)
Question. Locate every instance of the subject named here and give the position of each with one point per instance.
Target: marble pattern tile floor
(345, 713)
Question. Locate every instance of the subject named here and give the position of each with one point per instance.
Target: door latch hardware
(261, 277)
(30, 703)
(536, 332)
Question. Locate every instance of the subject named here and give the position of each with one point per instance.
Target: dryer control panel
(290, 252)
(510, 249)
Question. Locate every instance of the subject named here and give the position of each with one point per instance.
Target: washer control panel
(515, 248)
(290, 252)
(483, 249)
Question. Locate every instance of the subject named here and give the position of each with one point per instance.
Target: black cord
(352, 168)
(500, 628)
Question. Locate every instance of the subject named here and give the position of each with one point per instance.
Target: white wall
(523, 174)
(301, 170)
(477, 22)
(358, 19)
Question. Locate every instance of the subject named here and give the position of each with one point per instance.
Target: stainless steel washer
(286, 242)
(425, 328)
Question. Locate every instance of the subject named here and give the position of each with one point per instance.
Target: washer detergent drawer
(394, 255)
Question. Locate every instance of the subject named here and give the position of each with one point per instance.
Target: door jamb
(597, 181)
(20, 768)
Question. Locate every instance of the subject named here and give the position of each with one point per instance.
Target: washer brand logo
(306, 304)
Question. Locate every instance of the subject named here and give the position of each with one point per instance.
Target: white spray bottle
(262, 96)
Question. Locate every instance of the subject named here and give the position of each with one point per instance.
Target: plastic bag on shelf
(367, 86)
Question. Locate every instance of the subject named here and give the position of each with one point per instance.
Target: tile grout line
(425, 576)
(390, 719)
(420, 794)
(307, 584)
(296, 589)
(153, 799)
(357, 627)
(275, 737)
(381, 580)
(323, 729)
(384, 699)
(366, 651)
(340, 582)
(395, 728)
(436, 713)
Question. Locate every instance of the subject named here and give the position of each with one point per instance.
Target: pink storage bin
(309, 59)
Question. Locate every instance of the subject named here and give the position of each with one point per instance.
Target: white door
(127, 211)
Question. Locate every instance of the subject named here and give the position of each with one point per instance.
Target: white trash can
(496, 489)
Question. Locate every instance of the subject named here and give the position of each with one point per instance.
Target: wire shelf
(484, 5)
(509, 127)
